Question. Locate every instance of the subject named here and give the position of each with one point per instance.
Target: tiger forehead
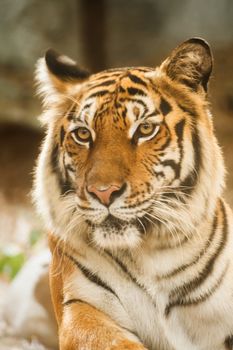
(120, 72)
(113, 79)
(124, 94)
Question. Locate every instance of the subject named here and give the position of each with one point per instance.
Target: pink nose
(103, 193)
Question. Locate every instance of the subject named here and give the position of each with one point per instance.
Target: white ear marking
(66, 60)
(157, 73)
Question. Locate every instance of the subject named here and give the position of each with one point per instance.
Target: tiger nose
(105, 193)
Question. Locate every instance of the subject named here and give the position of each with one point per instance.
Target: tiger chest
(140, 305)
(103, 284)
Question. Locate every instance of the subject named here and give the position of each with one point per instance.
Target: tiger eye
(146, 129)
(82, 134)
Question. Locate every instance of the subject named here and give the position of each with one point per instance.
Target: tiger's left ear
(190, 63)
(56, 76)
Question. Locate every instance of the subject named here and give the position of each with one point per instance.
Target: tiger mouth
(118, 225)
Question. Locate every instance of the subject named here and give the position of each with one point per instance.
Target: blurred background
(99, 34)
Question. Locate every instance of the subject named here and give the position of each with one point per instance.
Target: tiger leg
(80, 325)
(85, 328)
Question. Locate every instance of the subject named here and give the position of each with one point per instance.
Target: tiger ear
(56, 76)
(190, 63)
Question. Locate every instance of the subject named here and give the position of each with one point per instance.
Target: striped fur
(155, 263)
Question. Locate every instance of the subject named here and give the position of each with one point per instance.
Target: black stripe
(72, 301)
(189, 110)
(62, 135)
(76, 301)
(99, 93)
(64, 184)
(136, 79)
(127, 272)
(142, 103)
(197, 149)
(71, 113)
(181, 292)
(209, 293)
(165, 107)
(105, 83)
(123, 267)
(184, 267)
(208, 268)
(91, 276)
(87, 106)
(152, 114)
(201, 298)
(121, 89)
(136, 91)
(54, 158)
(179, 129)
(165, 145)
(172, 164)
(70, 168)
(228, 343)
(189, 183)
(159, 174)
(71, 154)
(190, 84)
(65, 181)
(109, 75)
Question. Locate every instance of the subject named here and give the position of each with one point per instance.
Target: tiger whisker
(168, 228)
(144, 229)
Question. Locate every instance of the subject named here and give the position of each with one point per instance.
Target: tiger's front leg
(80, 325)
(85, 328)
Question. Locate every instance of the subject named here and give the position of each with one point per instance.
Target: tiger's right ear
(190, 64)
(57, 76)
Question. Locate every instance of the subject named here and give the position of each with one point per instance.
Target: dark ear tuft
(190, 63)
(63, 67)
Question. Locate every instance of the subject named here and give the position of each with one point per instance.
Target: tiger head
(129, 153)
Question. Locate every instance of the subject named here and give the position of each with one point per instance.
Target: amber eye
(145, 132)
(82, 135)
(146, 129)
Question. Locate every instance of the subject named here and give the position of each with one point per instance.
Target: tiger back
(129, 183)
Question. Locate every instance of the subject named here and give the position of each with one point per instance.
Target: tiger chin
(129, 184)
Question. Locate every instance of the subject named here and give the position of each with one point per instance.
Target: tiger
(129, 183)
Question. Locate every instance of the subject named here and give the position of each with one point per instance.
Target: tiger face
(129, 152)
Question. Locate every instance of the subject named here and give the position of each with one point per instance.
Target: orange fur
(81, 326)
